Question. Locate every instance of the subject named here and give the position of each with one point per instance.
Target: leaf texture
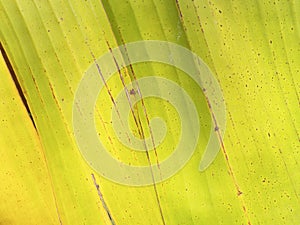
(253, 49)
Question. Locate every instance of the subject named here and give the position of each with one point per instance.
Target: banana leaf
(251, 51)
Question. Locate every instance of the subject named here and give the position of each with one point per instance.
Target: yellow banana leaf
(123, 66)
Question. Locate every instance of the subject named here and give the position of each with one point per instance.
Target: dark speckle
(132, 92)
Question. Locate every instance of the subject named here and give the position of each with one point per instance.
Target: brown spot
(132, 92)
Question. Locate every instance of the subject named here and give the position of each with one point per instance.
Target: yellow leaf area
(252, 48)
(26, 192)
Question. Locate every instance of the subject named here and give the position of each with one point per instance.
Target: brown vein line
(106, 131)
(51, 179)
(124, 85)
(76, 63)
(237, 187)
(142, 101)
(217, 130)
(122, 80)
(99, 115)
(141, 132)
(143, 136)
(150, 129)
(48, 79)
(21, 93)
(97, 111)
(43, 103)
(16, 82)
(77, 66)
(181, 17)
(51, 88)
(184, 38)
(43, 152)
(107, 88)
(147, 153)
(72, 55)
(239, 192)
(37, 133)
(201, 28)
(140, 94)
(102, 200)
(53, 94)
(136, 117)
(121, 40)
